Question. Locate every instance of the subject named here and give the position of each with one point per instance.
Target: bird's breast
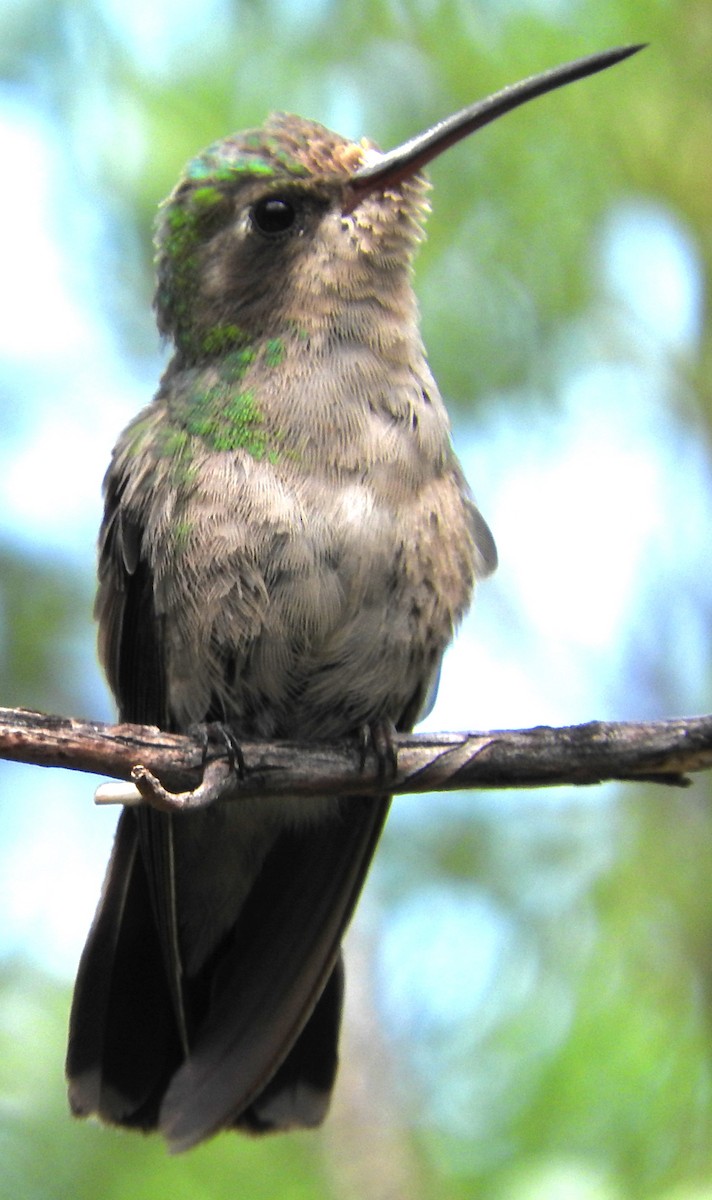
(309, 591)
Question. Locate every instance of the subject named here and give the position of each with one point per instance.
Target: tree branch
(660, 751)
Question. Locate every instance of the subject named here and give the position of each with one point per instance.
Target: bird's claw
(219, 733)
(377, 737)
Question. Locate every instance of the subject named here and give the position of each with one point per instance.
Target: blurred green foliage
(590, 1078)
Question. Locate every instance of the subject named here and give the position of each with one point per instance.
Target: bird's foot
(377, 737)
(218, 733)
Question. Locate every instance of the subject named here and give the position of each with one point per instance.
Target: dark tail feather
(264, 1053)
(248, 1064)
(123, 1040)
(298, 1095)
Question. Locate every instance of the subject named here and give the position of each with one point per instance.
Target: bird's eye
(274, 214)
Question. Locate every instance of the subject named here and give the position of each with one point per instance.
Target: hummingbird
(288, 545)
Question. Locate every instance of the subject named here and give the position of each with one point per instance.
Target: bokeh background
(530, 984)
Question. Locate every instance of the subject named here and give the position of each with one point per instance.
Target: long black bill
(385, 170)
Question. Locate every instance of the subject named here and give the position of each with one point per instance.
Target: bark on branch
(660, 751)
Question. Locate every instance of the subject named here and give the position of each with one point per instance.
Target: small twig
(661, 752)
(217, 779)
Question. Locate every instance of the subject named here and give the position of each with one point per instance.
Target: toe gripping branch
(377, 737)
